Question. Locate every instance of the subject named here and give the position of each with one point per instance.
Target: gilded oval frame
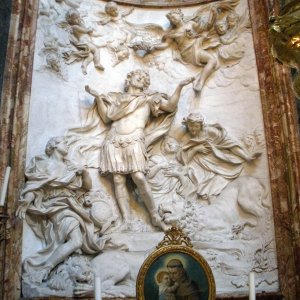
(175, 250)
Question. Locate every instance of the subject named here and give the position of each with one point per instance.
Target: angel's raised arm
(162, 46)
(127, 12)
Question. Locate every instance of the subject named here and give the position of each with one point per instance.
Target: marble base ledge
(161, 3)
(261, 296)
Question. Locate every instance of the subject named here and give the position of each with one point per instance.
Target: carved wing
(72, 3)
(104, 18)
(228, 5)
(126, 12)
(244, 22)
(199, 12)
(221, 9)
(144, 36)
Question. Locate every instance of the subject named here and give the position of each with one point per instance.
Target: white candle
(251, 286)
(4, 186)
(97, 283)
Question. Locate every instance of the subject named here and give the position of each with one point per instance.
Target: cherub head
(111, 8)
(232, 20)
(57, 143)
(221, 27)
(139, 79)
(169, 145)
(163, 277)
(194, 123)
(122, 53)
(51, 42)
(73, 17)
(175, 16)
(53, 62)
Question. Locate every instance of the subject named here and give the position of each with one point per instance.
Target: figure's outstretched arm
(101, 107)
(242, 153)
(104, 18)
(157, 166)
(28, 198)
(161, 46)
(82, 29)
(71, 3)
(127, 13)
(212, 17)
(171, 105)
(165, 43)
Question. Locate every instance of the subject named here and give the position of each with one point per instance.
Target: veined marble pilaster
(280, 119)
(13, 131)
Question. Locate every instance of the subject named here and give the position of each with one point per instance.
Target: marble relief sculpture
(168, 177)
(198, 41)
(112, 13)
(119, 50)
(211, 42)
(72, 3)
(81, 37)
(53, 203)
(125, 146)
(188, 37)
(217, 158)
(183, 150)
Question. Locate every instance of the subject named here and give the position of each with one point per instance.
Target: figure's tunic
(126, 153)
(94, 138)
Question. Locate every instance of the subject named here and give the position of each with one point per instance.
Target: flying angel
(196, 38)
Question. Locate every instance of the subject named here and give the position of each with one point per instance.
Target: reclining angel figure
(52, 202)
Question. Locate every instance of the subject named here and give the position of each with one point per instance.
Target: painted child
(167, 287)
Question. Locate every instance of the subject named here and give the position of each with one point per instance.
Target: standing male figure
(124, 151)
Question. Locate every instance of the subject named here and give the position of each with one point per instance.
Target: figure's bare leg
(97, 61)
(210, 66)
(144, 190)
(73, 243)
(122, 195)
(146, 194)
(86, 62)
